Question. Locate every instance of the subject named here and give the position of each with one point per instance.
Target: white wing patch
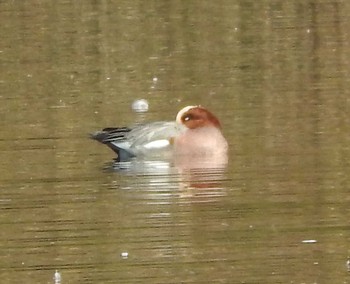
(157, 144)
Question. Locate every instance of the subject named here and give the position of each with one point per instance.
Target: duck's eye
(187, 117)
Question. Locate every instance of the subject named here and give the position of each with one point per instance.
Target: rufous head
(196, 116)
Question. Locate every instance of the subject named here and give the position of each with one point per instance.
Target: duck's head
(197, 116)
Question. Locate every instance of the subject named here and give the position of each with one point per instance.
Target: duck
(196, 132)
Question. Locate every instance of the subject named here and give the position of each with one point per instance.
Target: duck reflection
(200, 177)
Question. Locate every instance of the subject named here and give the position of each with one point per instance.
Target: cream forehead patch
(181, 112)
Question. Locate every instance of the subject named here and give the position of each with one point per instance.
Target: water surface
(275, 73)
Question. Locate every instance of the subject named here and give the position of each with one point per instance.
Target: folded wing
(142, 140)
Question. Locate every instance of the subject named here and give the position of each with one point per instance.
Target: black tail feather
(110, 134)
(113, 134)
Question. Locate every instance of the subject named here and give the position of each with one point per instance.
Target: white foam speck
(57, 277)
(309, 241)
(140, 105)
